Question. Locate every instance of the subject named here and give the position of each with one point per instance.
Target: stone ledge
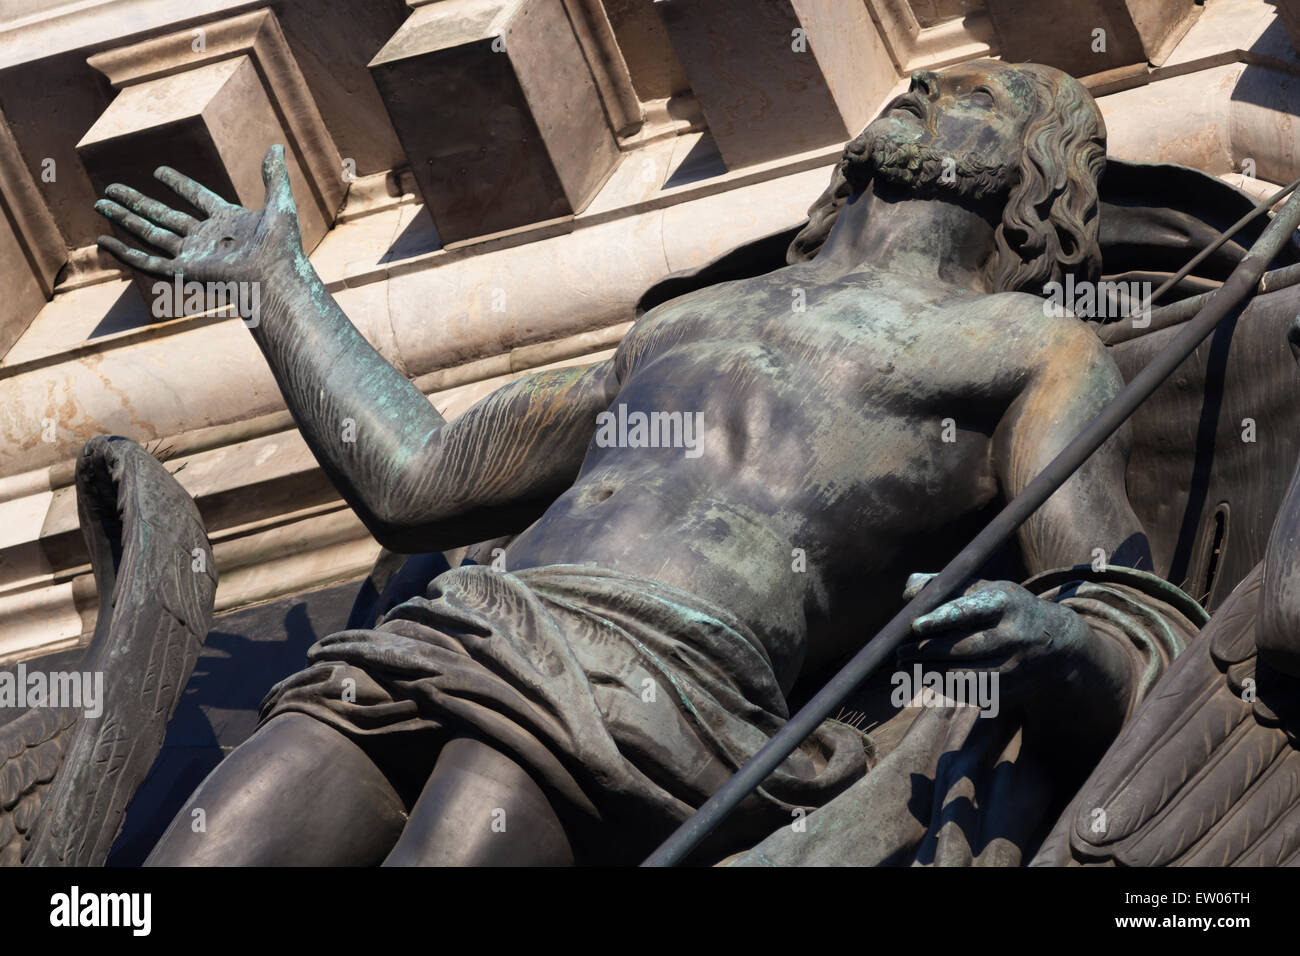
(1151, 123)
(275, 523)
(79, 26)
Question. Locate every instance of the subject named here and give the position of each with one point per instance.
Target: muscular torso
(828, 469)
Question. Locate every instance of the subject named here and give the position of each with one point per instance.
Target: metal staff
(1238, 286)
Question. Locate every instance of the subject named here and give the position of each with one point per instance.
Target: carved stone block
(497, 111)
(210, 105)
(776, 77)
(31, 249)
(1084, 37)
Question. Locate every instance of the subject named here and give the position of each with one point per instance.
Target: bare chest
(878, 343)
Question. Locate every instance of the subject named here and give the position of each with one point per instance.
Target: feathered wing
(31, 751)
(1207, 772)
(66, 778)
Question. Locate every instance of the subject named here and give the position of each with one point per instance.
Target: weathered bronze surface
(841, 422)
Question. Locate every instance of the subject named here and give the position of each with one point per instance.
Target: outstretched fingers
(165, 216)
(154, 265)
(195, 194)
(156, 236)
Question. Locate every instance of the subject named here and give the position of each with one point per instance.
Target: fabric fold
(630, 701)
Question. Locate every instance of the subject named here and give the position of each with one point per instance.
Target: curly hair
(1050, 222)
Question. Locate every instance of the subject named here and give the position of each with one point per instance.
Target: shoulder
(1055, 328)
(1061, 353)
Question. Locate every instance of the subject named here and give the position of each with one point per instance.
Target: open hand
(232, 244)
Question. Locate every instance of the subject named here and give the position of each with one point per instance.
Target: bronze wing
(1207, 772)
(66, 778)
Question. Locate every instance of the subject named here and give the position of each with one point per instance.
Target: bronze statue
(859, 412)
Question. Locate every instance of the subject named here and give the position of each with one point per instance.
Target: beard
(884, 155)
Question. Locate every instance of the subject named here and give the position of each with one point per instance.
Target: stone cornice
(370, 200)
(97, 23)
(258, 36)
(913, 47)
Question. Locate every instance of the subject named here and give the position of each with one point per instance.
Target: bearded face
(957, 133)
(1027, 140)
(924, 170)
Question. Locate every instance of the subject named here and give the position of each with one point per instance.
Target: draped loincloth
(628, 700)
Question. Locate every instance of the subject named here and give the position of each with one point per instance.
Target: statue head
(1026, 138)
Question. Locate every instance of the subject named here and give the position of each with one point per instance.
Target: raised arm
(1070, 383)
(418, 483)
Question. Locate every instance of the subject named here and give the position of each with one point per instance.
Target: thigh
(480, 808)
(296, 793)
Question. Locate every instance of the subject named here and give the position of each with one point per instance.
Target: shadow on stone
(246, 652)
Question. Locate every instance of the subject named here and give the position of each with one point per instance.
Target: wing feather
(1206, 773)
(156, 598)
(32, 746)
